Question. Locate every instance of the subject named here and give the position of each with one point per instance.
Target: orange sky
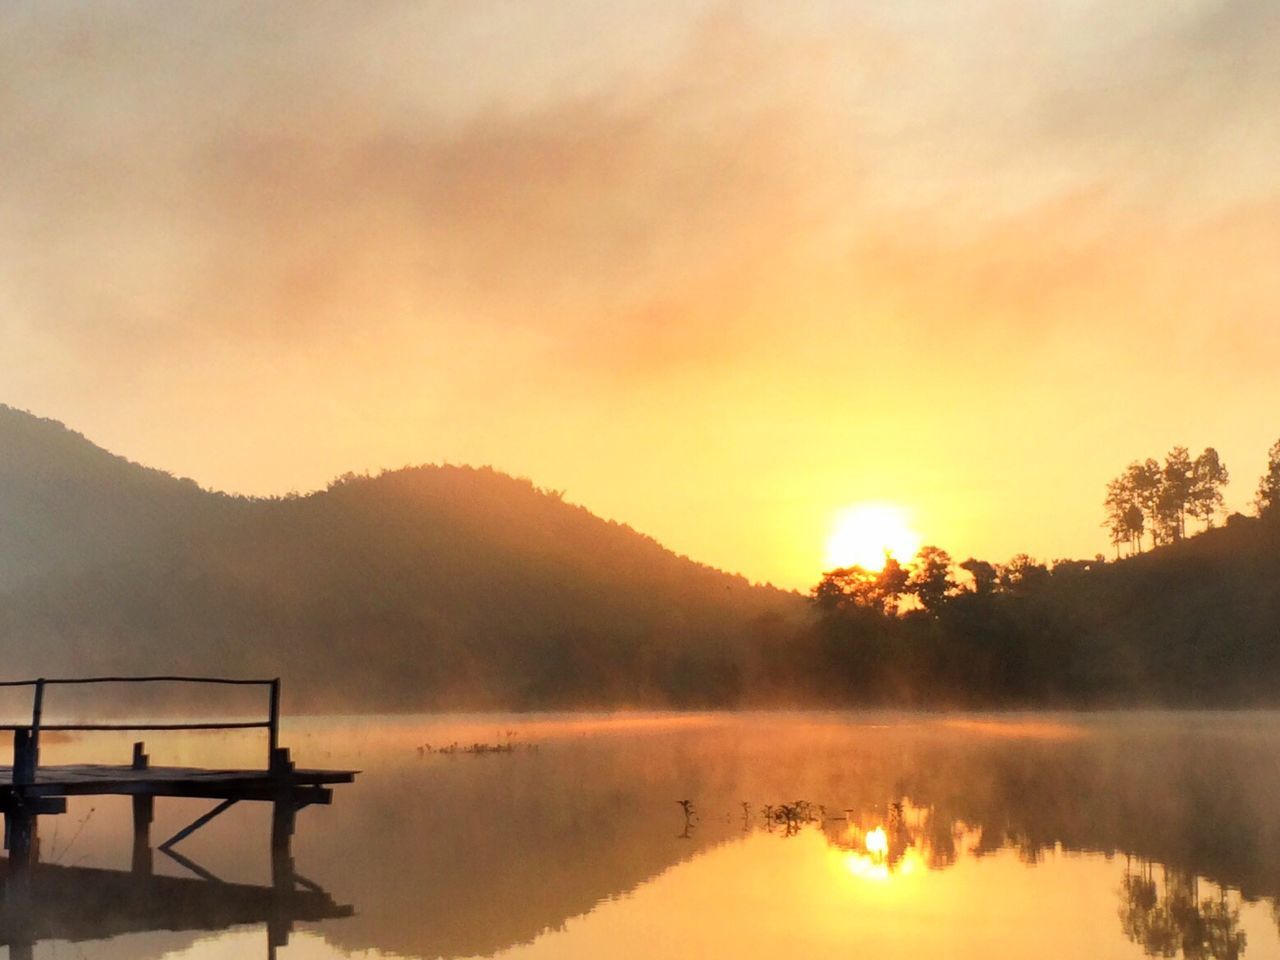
(714, 271)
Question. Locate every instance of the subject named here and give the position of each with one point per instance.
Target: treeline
(1155, 500)
(1197, 621)
(443, 587)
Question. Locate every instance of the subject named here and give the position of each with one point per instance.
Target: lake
(809, 835)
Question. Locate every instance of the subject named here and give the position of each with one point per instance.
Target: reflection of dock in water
(84, 903)
(43, 901)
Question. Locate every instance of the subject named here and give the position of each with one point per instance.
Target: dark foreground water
(812, 835)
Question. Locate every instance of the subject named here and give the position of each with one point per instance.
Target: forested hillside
(424, 587)
(457, 587)
(1194, 622)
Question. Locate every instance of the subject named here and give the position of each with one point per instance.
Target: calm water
(1100, 835)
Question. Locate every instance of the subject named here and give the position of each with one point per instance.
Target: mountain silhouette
(429, 586)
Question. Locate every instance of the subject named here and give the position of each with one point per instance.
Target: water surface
(816, 835)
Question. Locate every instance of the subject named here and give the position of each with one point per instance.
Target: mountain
(430, 586)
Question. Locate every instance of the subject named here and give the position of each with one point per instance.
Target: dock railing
(26, 737)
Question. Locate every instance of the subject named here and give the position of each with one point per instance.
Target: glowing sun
(866, 533)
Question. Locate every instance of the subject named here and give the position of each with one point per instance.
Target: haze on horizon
(714, 270)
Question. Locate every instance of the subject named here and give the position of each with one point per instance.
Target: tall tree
(1134, 524)
(984, 575)
(1268, 499)
(1124, 514)
(1146, 479)
(1175, 494)
(892, 584)
(1208, 477)
(931, 580)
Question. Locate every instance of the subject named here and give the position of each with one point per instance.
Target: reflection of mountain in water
(466, 856)
(459, 856)
(491, 853)
(1196, 794)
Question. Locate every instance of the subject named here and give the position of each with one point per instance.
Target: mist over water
(1072, 835)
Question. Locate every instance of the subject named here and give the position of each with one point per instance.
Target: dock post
(24, 757)
(143, 815)
(37, 715)
(282, 821)
(273, 723)
(19, 822)
(283, 812)
(19, 825)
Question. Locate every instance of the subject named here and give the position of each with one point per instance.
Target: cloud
(437, 228)
(623, 215)
(186, 176)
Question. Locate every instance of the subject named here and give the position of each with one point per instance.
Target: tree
(1174, 494)
(931, 579)
(1124, 514)
(1208, 477)
(1020, 572)
(891, 584)
(983, 573)
(1067, 568)
(1155, 498)
(1268, 499)
(859, 587)
(1134, 524)
(836, 588)
(1145, 480)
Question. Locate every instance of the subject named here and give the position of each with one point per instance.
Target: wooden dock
(29, 790)
(94, 778)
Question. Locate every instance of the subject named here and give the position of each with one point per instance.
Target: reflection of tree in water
(1170, 917)
(903, 834)
(1166, 915)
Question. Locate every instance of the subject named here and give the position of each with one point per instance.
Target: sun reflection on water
(877, 843)
(873, 861)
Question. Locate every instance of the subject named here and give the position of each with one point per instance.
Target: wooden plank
(99, 727)
(235, 681)
(88, 779)
(81, 771)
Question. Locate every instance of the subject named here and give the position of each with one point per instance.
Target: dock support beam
(144, 808)
(273, 722)
(199, 822)
(19, 822)
(283, 812)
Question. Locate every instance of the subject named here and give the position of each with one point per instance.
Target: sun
(865, 533)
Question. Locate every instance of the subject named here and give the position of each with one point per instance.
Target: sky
(716, 270)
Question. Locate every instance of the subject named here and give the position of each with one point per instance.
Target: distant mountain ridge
(426, 586)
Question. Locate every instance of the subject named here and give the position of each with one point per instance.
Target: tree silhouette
(1145, 480)
(1268, 499)
(1124, 514)
(1158, 499)
(1208, 477)
(859, 587)
(1174, 495)
(984, 575)
(931, 579)
(1022, 572)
